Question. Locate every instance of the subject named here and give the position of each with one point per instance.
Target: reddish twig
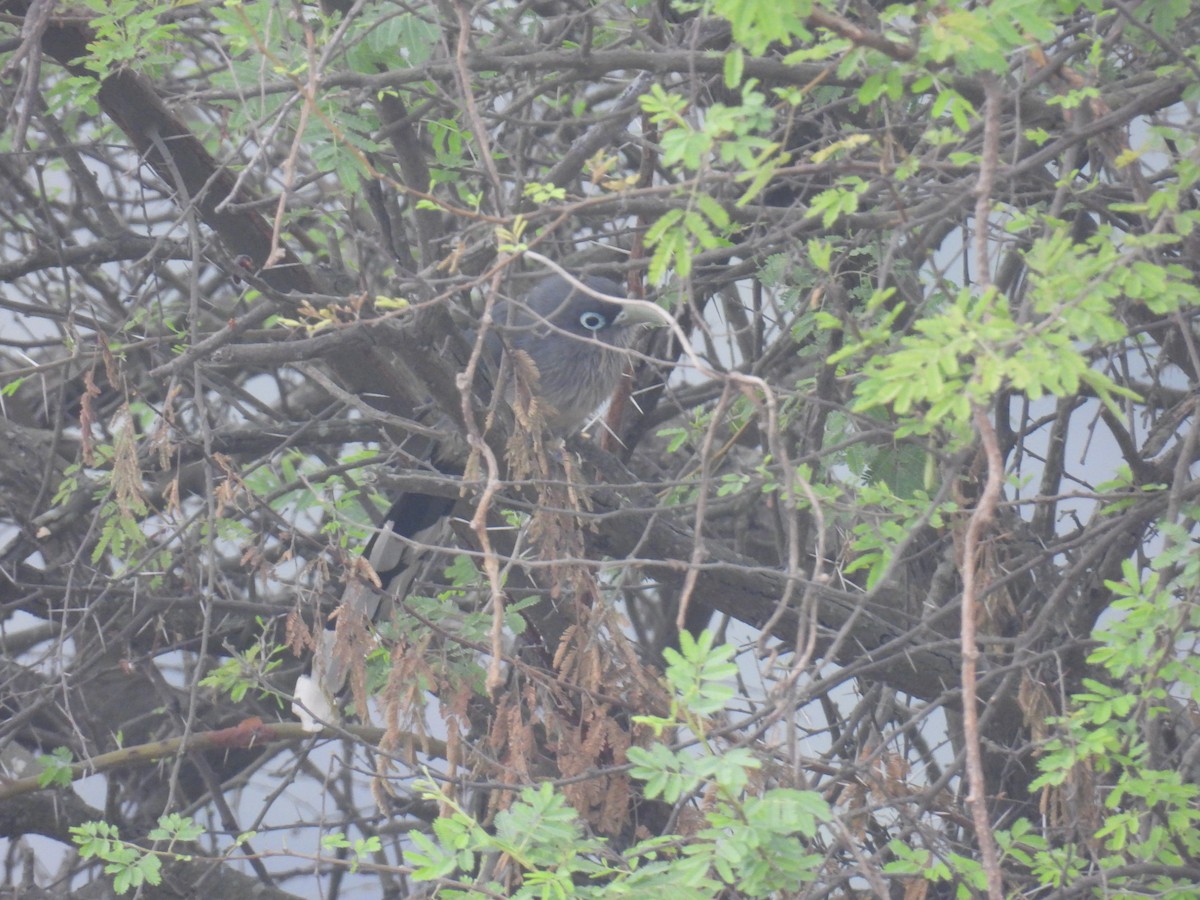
(984, 510)
(977, 793)
(462, 74)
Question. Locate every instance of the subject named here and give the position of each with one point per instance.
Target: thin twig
(492, 485)
(984, 510)
(977, 794)
(706, 457)
(462, 74)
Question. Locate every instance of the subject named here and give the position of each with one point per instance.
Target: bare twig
(462, 73)
(982, 515)
(977, 795)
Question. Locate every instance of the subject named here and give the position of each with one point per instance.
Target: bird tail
(386, 569)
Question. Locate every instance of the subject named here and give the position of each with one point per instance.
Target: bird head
(575, 338)
(555, 304)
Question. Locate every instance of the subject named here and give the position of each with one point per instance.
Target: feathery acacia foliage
(879, 578)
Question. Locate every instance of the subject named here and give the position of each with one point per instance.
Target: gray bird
(575, 340)
(578, 344)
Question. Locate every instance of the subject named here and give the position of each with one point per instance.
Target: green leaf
(56, 768)
(735, 62)
(715, 211)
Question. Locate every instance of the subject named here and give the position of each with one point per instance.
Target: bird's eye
(592, 321)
